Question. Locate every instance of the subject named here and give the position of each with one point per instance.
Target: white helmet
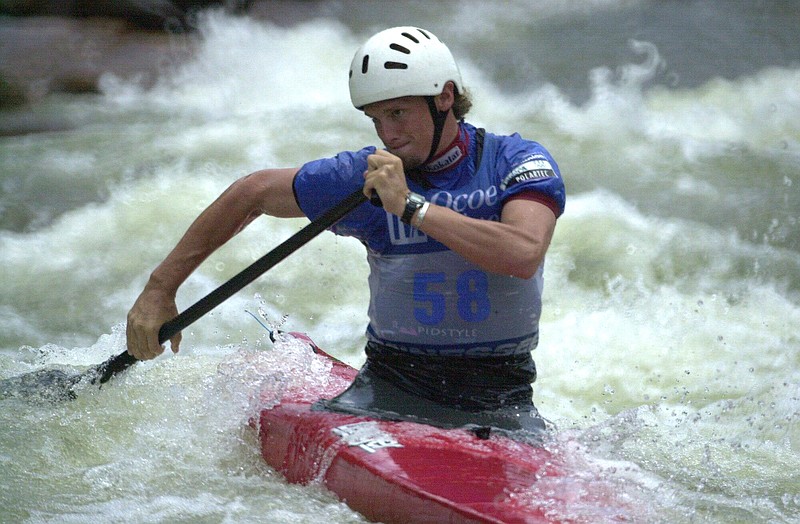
(401, 61)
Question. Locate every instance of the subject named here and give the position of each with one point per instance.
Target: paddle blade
(55, 385)
(48, 385)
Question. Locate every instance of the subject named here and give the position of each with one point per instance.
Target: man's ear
(445, 100)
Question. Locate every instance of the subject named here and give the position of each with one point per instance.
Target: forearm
(215, 226)
(514, 246)
(246, 199)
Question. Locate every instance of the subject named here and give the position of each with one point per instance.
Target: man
(455, 252)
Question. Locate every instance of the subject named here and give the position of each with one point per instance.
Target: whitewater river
(670, 350)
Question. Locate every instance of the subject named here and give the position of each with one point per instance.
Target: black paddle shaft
(103, 372)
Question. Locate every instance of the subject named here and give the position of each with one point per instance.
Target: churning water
(669, 349)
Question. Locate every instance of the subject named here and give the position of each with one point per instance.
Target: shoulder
(523, 165)
(514, 149)
(343, 163)
(319, 184)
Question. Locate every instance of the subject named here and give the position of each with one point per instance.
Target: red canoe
(406, 472)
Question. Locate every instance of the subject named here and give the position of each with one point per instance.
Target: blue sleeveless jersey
(424, 298)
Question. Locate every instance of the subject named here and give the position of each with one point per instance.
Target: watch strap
(413, 203)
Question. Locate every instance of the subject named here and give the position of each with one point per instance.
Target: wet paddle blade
(47, 385)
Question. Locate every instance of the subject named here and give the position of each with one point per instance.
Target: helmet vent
(365, 65)
(395, 65)
(412, 37)
(398, 47)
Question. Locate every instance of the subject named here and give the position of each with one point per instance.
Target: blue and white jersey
(425, 298)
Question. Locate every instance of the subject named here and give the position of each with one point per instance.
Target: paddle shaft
(103, 372)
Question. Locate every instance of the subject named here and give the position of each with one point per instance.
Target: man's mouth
(401, 148)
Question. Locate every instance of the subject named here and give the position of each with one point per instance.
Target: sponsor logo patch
(448, 159)
(367, 436)
(534, 168)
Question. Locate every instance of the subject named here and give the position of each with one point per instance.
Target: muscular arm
(514, 246)
(262, 192)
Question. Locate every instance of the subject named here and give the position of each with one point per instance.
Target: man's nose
(389, 133)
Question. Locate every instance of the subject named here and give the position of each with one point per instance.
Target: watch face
(415, 199)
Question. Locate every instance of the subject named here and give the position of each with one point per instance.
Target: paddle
(102, 373)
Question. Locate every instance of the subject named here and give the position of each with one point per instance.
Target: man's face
(405, 127)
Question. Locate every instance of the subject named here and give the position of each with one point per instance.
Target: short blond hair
(462, 104)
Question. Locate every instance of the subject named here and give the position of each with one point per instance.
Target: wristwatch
(413, 202)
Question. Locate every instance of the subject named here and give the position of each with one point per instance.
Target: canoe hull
(401, 471)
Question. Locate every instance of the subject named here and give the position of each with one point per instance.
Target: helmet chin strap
(439, 118)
